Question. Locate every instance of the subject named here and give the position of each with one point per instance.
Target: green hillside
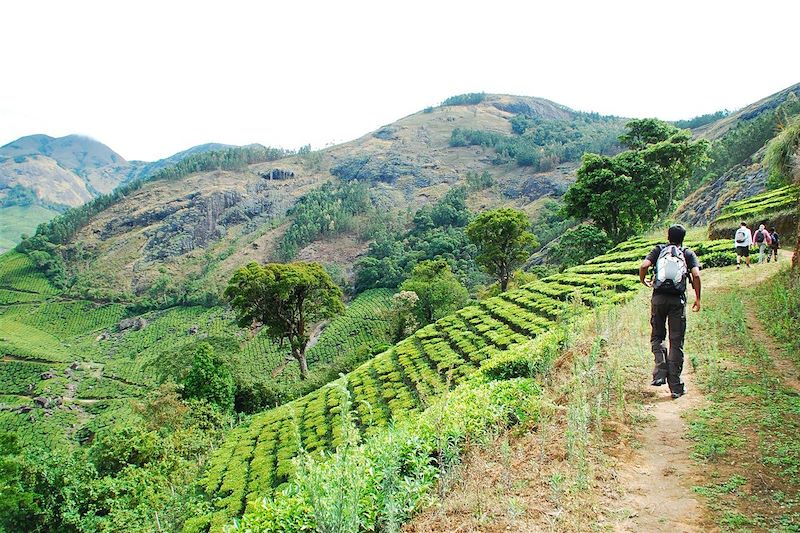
(777, 208)
(403, 381)
(80, 358)
(16, 220)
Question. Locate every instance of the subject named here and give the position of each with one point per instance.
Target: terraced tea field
(774, 208)
(403, 380)
(75, 356)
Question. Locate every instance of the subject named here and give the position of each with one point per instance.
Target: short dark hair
(744, 223)
(772, 229)
(676, 233)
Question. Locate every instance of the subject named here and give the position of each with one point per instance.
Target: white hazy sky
(150, 78)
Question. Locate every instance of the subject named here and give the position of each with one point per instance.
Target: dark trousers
(668, 309)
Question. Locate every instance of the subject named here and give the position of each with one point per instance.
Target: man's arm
(643, 268)
(697, 286)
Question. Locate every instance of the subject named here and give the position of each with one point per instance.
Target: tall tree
(629, 191)
(286, 299)
(503, 240)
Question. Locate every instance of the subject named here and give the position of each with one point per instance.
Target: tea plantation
(69, 365)
(773, 208)
(408, 377)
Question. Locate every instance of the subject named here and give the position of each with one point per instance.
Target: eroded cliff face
(740, 182)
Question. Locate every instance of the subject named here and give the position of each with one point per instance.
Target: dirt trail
(657, 480)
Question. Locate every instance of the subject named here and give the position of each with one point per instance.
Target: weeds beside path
(614, 454)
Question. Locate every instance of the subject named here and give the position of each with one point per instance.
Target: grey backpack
(671, 271)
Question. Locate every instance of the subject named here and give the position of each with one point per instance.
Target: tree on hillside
(209, 379)
(630, 190)
(503, 241)
(783, 160)
(287, 299)
(580, 244)
(438, 291)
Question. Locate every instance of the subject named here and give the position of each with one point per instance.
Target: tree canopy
(503, 241)
(438, 291)
(630, 190)
(286, 299)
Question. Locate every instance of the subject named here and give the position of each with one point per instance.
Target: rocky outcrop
(740, 182)
(386, 168)
(134, 324)
(277, 174)
(553, 183)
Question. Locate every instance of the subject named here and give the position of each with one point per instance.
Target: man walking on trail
(763, 240)
(673, 266)
(743, 240)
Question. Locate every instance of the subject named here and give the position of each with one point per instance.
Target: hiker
(674, 266)
(762, 240)
(773, 247)
(743, 240)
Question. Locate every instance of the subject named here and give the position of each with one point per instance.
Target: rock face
(740, 182)
(135, 323)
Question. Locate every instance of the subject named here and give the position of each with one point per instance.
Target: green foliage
(437, 232)
(749, 134)
(130, 478)
(465, 99)
(503, 242)
(209, 379)
(18, 275)
(782, 155)
(579, 244)
(543, 143)
(701, 120)
(393, 471)
(286, 299)
(438, 291)
(416, 374)
(326, 211)
(550, 221)
(477, 182)
(779, 299)
(770, 205)
(627, 192)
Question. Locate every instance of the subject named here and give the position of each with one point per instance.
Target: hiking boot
(677, 393)
(657, 382)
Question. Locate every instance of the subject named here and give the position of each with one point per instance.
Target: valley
(134, 391)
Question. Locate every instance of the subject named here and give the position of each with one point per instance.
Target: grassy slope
(420, 140)
(404, 380)
(583, 467)
(40, 332)
(777, 207)
(14, 221)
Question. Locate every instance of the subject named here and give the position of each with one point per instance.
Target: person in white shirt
(743, 240)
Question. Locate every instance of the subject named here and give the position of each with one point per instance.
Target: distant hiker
(762, 240)
(773, 247)
(674, 266)
(743, 240)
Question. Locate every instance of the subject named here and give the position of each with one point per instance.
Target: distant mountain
(200, 226)
(54, 173)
